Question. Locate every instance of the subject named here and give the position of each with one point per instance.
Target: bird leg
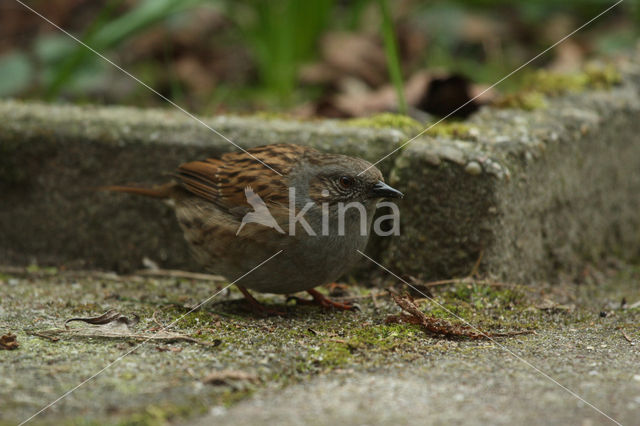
(256, 306)
(319, 299)
(336, 289)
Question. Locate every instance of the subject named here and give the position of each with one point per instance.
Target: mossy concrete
(52, 159)
(320, 367)
(531, 193)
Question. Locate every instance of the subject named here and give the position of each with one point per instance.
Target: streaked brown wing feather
(222, 180)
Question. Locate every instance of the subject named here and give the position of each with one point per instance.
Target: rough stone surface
(317, 367)
(530, 193)
(534, 192)
(52, 158)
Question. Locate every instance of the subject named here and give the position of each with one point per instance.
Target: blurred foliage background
(307, 58)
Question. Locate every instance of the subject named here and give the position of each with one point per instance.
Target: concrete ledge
(52, 158)
(533, 192)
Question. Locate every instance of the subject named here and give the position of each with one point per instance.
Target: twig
(44, 336)
(469, 279)
(174, 273)
(163, 273)
(80, 273)
(5, 269)
(627, 338)
(93, 332)
(476, 266)
(153, 317)
(374, 299)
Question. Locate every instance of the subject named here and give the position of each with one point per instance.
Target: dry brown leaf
(111, 316)
(9, 342)
(175, 273)
(432, 92)
(354, 101)
(553, 307)
(113, 325)
(175, 349)
(111, 333)
(356, 55)
(224, 377)
(438, 326)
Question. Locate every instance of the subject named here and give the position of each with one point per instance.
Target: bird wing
(222, 180)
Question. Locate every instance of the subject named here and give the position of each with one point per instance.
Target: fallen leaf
(351, 54)
(448, 94)
(108, 317)
(553, 307)
(438, 326)
(113, 325)
(109, 333)
(169, 349)
(9, 342)
(224, 377)
(175, 273)
(417, 287)
(426, 92)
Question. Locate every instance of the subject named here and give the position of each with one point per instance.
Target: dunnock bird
(235, 213)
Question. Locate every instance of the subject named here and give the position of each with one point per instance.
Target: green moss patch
(526, 99)
(556, 84)
(161, 383)
(451, 129)
(539, 85)
(387, 120)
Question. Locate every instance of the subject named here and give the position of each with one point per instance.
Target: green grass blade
(393, 61)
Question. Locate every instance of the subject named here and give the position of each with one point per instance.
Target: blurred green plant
(103, 35)
(282, 35)
(69, 67)
(391, 50)
(60, 63)
(16, 73)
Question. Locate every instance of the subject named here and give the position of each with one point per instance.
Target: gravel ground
(313, 366)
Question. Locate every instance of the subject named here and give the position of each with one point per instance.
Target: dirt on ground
(150, 360)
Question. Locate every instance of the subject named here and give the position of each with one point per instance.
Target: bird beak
(382, 190)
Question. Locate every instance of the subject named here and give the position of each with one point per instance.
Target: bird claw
(320, 299)
(257, 307)
(265, 311)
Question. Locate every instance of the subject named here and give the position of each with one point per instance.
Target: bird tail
(161, 192)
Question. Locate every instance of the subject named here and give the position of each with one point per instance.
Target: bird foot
(257, 307)
(336, 289)
(320, 299)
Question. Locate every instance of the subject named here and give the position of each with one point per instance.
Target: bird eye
(346, 181)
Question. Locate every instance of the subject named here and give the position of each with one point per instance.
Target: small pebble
(218, 410)
(473, 168)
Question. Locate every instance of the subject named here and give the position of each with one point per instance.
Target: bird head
(339, 178)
